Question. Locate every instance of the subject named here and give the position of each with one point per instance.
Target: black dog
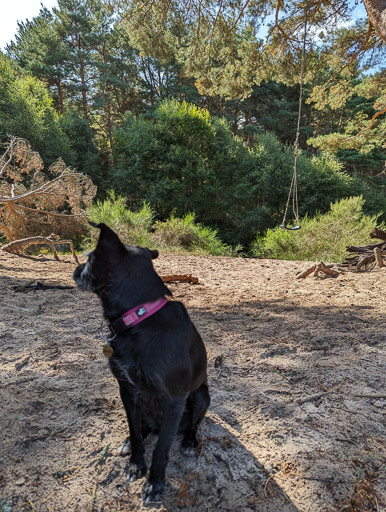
(159, 361)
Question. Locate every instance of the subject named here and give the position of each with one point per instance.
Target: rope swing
(293, 191)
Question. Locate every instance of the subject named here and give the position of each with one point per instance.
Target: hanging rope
(294, 185)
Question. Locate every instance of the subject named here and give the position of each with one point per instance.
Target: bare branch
(7, 232)
(278, 26)
(39, 190)
(19, 245)
(240, 15)
(10, 148)
(53, 214)
(370, 125)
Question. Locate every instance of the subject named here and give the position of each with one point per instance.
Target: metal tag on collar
(107, 350)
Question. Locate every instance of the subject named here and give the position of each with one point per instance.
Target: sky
(13, 11)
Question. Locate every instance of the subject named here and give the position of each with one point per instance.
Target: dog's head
(120, 272)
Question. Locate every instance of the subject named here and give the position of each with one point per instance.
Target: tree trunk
(84, 93)
(235, 122)
(109, 124)
(83, 81)
(60, 94)
(376, 10)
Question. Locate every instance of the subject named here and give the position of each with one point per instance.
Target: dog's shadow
(224, 475)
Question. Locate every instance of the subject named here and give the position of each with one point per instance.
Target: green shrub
(136, 228)
(186, 234)
(323, 237)
(133, 227)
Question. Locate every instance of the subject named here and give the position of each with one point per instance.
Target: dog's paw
(125, 448)
(152, 492)
(133, 471)
(189, 451)
(188, 447)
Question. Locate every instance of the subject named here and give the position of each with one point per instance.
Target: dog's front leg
(154, 488)
(137, 467)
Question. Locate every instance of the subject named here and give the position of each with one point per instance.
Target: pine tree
(39, 48)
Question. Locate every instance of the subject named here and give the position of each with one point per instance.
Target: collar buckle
(117, 326)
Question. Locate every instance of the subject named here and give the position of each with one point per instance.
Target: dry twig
(183, 278)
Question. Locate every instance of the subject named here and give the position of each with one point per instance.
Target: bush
(185, 233)
(323, 237)
(132, 227)
(174, 234)
(166, 160)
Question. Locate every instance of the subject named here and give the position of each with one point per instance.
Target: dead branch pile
(367, 257)
(38, 201)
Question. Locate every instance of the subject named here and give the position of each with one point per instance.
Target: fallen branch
(378, 233)
(321, 267)
(306, 272)
(370, 258)
(316, 268)
(184, 278)
(18, 246)
(378, 257)
(22, 287)
(310, 398)
(39, 286)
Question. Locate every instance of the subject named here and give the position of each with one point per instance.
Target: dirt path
(297, 420)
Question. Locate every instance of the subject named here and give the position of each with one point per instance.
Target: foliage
(36, 201)
(138, 228)
(167, 162)
(105, 61)
(265, 187)
(229, 46)
(323, 237)
(82, 141)
(26, 111)
(184, 160)
(187, 234)
(359, 106)
(133, 227)
(128, 94)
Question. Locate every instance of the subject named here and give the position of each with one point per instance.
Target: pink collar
(136, 315)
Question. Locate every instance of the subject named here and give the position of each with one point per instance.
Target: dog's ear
(150, 253)
(108, 241)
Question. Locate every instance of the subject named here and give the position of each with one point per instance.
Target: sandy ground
(297, 420)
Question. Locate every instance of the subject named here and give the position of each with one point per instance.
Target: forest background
(189, 109)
